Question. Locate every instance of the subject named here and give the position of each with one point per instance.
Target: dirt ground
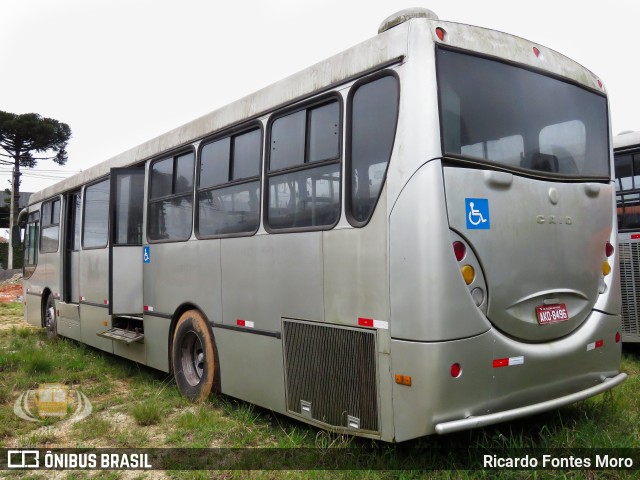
(9, 293)
(11, 289)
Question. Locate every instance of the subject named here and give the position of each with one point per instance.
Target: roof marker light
(600, 84)
(440, 33)
(536, 52)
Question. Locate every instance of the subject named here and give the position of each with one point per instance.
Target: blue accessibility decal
(146, 254)
(477, 212)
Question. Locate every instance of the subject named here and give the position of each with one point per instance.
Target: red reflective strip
(365, 322)
(242, 323)
(599, 343)
(146, 308)
(500, 362)
(635, 236)
(106, 302)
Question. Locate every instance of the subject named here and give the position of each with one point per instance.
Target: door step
(121, 335)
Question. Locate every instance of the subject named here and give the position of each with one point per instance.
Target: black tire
(50, 319)
(193, 356)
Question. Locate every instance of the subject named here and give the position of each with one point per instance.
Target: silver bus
(626, 152)
(413, 236)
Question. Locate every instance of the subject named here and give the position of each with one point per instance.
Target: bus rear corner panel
(493, 373)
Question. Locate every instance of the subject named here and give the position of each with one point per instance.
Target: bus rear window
(519, 118)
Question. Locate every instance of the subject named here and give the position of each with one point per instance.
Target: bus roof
(626, 139)
(388, 47)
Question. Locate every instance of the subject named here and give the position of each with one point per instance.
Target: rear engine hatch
(541, 246)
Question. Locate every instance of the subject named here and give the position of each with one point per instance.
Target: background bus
(626, 151)
(381, 244)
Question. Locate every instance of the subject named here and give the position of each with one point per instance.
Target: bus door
(125, 247)
(71, 267)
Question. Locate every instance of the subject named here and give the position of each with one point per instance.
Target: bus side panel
(356, 285)
(183, 272)
(94, 292)
(33, 309)
(355, 271)
(95, 320)
(94, 276)
(267, 277)
(429, 299)
(251, 368)
(32, 290)
(156, 335)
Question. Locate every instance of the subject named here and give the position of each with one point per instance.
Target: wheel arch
(43, 304)
(185, 307)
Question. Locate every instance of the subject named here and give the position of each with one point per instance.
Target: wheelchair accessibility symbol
(146, 255)
(477, 211)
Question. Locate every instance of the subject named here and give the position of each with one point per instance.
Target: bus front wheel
(50, 319)
(193, 356)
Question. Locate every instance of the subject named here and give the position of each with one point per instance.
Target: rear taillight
(470, 270)
(459, 250)
(608, 249)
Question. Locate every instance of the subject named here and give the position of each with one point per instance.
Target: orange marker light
(403, 380)
(468, 273)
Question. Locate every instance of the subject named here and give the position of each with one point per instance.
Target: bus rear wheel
(193, 356)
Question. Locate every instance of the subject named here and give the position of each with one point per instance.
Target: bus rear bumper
(507, 415)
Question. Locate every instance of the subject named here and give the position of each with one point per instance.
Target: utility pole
(15, 178)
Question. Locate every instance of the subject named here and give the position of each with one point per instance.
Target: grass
(134, 407)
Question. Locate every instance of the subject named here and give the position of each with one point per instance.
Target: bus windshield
(521, 119)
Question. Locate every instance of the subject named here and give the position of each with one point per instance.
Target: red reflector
(440, 33)
(599, 343)
(456, 369)
(459, 250)
(608, 249)
(635, 236)
(242, 323)
(617, 337)
(365, 322)
(501, 362)
(536, 51)
(599, 83)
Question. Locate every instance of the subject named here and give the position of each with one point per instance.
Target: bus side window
(229, 185)
(374, 116)
(32, 236)
(95, 228)
(50, 226)
(171, 198)
(303, 178)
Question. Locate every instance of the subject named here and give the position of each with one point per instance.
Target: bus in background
(383, 244)
(626, 152)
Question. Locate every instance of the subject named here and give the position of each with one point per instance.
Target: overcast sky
(121, 72)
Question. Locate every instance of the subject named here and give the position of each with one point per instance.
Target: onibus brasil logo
(52, 400)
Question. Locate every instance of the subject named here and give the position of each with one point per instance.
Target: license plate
(552, 313)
